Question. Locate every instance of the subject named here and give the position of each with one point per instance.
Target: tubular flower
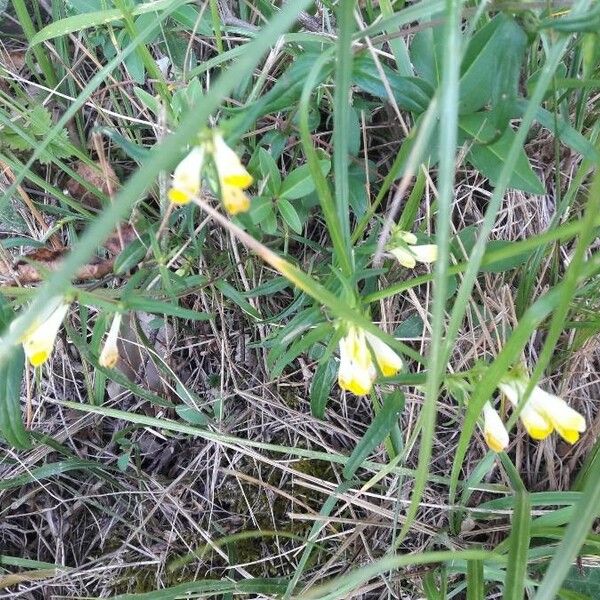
(357, 371)
(357, 367)
(494, 432)
(186, 177)
(407, 252)
(38, 340)
(233, 177)
(388, 361)
(110, 352)
(544, 412)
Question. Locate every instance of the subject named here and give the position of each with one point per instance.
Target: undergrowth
(300, 299)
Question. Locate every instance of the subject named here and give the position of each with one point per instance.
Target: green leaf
(191, 415)
(475, 581)
(93, 19)
(230, 292)
(321, 385)
(11, 376)
(490, 158)
(131, 255)
(306, 341)
(299, 182)
(426, 54)
(516, 569)
(269, 170)
(492, 63)
(164, 308)
(410, 93)
(289, 214)
(378, 430)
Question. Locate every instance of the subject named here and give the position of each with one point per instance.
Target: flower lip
(110, 351)
(543, 412)
(356, 371)
(494, 431)
(186, 177)
(388, 361)
(38, 341)
(230, 169)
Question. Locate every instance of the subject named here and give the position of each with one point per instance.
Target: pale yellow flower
(38, 340)
(186, 177)
(233, 177)
(494, 431)
(229, 167)
(110, 351)
(544, 412)
(388, 361)
(407, 252)
(234, 199)
(357, 371)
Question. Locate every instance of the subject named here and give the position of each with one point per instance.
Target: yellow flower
(388, 361)
(233, 177)
(494, 432)
(38, 340)
(231, 170)
(186, 177)
(234, 200)
(408, 252)
(544, 412)
(110, 352)
(357, 371)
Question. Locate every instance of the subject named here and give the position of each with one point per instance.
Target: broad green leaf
(377, 431)
(321, 385)
(269, 170)
(489, 158)
(492, 64)
(289, 214)
(299, 182)
(191, 415)
(11, 376)
(426, 54)
(411, 93)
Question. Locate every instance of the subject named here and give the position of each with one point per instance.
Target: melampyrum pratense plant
(469, 84)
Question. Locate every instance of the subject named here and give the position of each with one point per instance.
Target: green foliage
(314, 117)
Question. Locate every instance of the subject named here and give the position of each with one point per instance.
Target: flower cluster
(541, 414)
(357, 371)
(39, 339)
(231, 173)
(404, 248)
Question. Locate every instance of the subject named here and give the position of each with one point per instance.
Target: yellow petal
(234, 199)
(38, 340)
(494, 431)
(388, 361)
(186, 177)
(537, 426)
(425, 253)
(356, 373)
(110, 352)
(230, 169)
(179, 196)
(404, 257)
(407, 236)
